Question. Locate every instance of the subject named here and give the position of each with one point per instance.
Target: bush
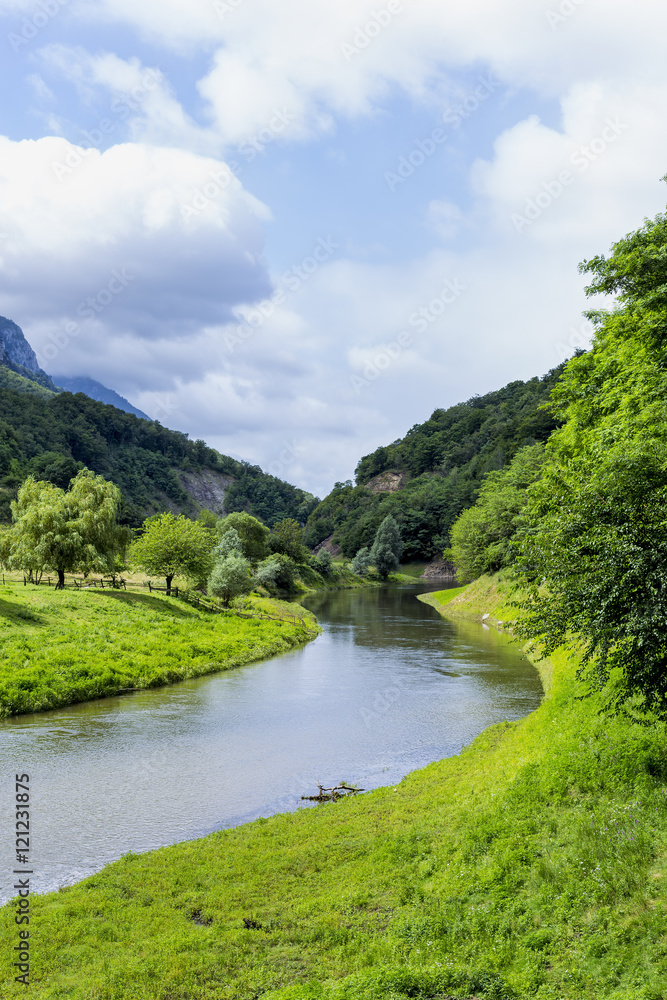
(230, 578)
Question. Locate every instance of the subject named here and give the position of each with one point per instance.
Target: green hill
(428, 477)
(52, 435)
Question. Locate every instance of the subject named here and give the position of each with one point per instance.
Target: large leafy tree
(387, 548)
(253, 534)
(67, 530)
(174, 546)
(287, 538)
(595, 553)
(484, 537)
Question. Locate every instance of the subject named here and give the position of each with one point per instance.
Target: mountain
(16, 348)
(17, 355)
(95, 390)
(51, 432)
(427, 478)
(52, 436)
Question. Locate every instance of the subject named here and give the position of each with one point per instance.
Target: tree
(173, 546)
(267, 572)
(287, 537)
(484, 538)
(594, 556)
(66, 531)
(230, 578)
(387, 548)
(230, 544)
(279, 571)
(323, 562)
(253, 534)
(362, 561)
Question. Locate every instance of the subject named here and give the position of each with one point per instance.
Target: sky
(295, 229)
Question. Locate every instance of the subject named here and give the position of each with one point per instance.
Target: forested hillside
(52, 436)
(438, 466)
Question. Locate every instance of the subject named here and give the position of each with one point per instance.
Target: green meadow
(62, 647)
(532, 865)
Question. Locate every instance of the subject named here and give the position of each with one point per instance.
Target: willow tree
(67, 531)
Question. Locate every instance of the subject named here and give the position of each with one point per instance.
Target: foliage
(268, 498)
(147, 461)
(596, 550)
(484, 537)
(59, 649)
(323, 562)
(387, 548)
(286, 574)
(230, 544)
(362, 561)
(253, 534)
(528, 866)
(66, 531)
(287, 537)
(267, 572)
(173, 546)
(443, 463)
(230, 577)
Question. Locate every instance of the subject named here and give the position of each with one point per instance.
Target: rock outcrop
(207, 488)
(16, 347)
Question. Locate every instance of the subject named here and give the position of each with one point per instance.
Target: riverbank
(532, 864)
(59, 648)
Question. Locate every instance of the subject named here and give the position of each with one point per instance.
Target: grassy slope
(531, 865)
(57, 648)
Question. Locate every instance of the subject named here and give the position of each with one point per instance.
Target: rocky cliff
(16, 347)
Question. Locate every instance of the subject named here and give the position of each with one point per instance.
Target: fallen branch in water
(333, 794)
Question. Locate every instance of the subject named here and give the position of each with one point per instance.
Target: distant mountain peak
(95, 390)
(16, 348)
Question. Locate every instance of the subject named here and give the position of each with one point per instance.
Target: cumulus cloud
(137, 241)
(361, 350)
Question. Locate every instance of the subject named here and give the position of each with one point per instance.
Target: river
(389, 687)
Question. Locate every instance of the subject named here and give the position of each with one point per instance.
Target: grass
(62, 647)
(532, 865)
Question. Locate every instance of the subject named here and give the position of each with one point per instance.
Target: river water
(389, 687)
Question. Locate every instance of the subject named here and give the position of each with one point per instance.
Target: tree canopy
(174, 546)
(595, 550)
(66, 530)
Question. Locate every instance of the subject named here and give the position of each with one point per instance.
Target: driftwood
(333, 794)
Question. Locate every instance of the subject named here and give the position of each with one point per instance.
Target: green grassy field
(61, 647)
(532, 865)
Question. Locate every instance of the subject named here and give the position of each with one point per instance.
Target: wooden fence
(194, 598)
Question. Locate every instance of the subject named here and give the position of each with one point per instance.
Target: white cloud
(294, 69)
(138, 242)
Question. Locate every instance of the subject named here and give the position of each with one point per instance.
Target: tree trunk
(169, 579)
(61, 580)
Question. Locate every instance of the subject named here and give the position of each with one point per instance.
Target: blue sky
(302, 227)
